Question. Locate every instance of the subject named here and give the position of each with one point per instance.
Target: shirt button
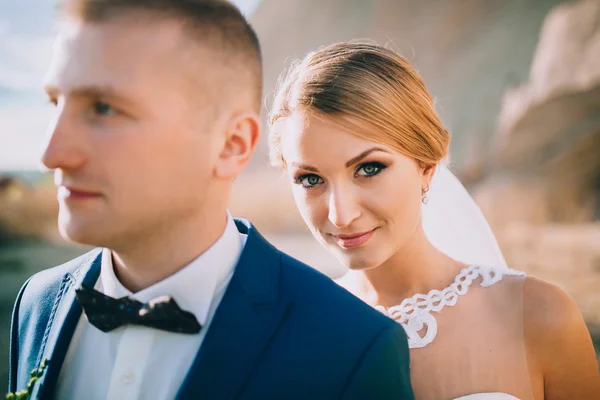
(127, 378)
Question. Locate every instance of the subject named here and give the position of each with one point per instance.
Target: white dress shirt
(135, 362)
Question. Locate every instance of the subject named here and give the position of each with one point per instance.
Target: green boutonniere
(34, 375)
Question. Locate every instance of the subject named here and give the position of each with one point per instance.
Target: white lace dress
(467, 340)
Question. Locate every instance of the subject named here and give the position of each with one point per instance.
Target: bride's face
(360, 199)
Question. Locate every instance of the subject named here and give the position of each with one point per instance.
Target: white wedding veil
(456, 226)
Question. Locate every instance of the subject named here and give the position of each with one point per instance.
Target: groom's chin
(81, 230)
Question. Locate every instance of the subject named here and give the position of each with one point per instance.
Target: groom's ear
(242, 134)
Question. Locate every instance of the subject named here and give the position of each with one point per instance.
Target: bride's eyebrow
(362, 155)
(349, 163)
(304, 166)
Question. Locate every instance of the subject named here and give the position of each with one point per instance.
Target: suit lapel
(244, 323)
(64, 317)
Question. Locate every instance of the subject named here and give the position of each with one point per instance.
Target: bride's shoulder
(553, 324)
(557, 339)
(546, 305)
(549, 313)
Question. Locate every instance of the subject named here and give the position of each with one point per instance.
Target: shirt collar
(194, 286)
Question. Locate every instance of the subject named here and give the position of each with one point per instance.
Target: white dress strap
(488, 396)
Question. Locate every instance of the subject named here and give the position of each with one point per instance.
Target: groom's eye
(103, 109)
(308, 181)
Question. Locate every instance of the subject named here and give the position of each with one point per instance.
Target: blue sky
(26, 37)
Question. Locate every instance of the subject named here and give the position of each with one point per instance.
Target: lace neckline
(414, 313)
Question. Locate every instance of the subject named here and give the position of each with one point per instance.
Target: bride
(354, 128)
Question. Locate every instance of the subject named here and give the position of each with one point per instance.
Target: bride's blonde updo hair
(375, 92)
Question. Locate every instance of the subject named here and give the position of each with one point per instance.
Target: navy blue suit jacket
(282, 331)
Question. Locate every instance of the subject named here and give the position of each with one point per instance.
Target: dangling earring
(424, 194)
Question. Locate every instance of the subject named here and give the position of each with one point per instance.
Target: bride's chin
(356, 262)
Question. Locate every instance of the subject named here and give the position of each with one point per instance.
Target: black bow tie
(107, 313)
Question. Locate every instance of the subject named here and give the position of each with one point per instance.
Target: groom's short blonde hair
(216, 24)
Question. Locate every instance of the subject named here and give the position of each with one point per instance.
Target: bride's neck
(417, 267)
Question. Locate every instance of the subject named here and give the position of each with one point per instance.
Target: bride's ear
(428, 172)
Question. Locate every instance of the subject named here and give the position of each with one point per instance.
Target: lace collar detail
(414, 313)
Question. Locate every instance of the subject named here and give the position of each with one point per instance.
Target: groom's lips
(72, 193)
(353, 240)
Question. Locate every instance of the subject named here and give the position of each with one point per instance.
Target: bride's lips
(353, 240)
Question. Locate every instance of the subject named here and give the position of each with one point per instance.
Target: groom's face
(133, 141)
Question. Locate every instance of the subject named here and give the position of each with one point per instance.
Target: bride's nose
(343, 208)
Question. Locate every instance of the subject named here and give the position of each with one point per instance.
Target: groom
(157, 112)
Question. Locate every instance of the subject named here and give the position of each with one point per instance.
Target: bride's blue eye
(308, 181)
(370, 169)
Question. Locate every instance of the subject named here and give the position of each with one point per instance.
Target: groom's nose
(343, 209)
(64, 147)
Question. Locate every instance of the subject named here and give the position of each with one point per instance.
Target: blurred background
(517, 83)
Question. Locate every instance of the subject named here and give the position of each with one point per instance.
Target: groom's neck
(154, 257)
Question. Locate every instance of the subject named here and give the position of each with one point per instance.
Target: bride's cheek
(310, 211)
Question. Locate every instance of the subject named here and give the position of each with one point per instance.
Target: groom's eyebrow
(362, 155)
(89, 91)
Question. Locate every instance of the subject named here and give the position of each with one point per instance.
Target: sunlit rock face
(547, 158)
